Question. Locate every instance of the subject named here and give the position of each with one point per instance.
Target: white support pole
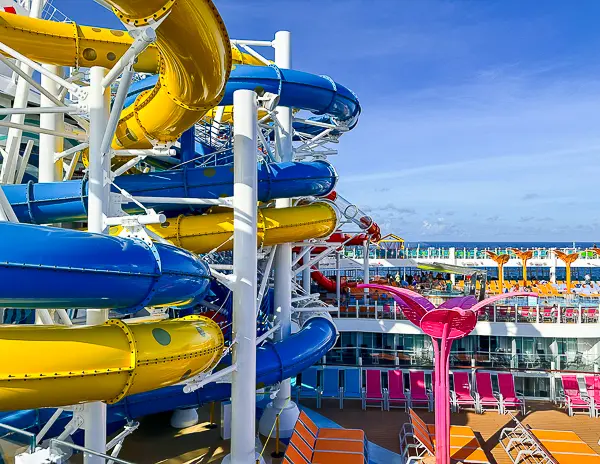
(99, 104)
(283, 259)
(99, 169)
(245, 198)
(49, 170)
(13, 139)
(366, 269)
(306, 275)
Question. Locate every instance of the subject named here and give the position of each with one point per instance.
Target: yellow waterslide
(214, 231)
(192, 55)
(58, 365)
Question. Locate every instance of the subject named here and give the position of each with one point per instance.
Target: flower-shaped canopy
(453, 319)
(459, 314)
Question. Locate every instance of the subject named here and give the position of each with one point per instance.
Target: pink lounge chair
(590, 314)
(396, 396)
(485, 396)
(373, 394)
(592, 385)
(573, 399)
(570, 315)
(461, 396)
(418, 392)
(509, 398)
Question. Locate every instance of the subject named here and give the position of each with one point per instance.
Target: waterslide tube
(325, 282)
(201, 234)
(192, 80)
(274, 361)
(46, 267)
(59, 365)
(320, 95)
(67, 201)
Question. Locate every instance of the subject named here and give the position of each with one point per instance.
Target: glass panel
(14, 441)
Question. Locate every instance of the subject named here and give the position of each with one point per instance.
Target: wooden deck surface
(157, 442)
(382, 427)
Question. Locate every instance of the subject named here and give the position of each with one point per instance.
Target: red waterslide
(372, 232)
(328, 284)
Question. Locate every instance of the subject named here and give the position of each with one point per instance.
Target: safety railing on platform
(14, 441)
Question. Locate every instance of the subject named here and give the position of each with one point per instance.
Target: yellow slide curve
(214, 231)
(192, 55)
(59, 365)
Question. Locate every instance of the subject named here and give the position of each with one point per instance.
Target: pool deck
(157, 442)
(382, 427)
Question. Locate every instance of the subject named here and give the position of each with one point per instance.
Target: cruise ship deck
(157, 442)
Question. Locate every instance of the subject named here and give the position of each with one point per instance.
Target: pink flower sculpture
(453, 319)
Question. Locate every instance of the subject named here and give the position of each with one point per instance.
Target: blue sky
(480, 119)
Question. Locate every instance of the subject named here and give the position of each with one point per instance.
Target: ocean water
(480, 245)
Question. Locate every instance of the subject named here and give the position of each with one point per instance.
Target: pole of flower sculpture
(568, 259)
(453, 319)
(500, 260)
(524, 256)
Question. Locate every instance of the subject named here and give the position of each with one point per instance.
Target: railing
(15, 441)
(459, 253)
(388, 309)
(423, 358)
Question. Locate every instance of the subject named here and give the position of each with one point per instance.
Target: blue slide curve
(48, 267)
(320, 95)
(67, 201)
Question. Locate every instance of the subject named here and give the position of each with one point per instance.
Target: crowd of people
(421, 281)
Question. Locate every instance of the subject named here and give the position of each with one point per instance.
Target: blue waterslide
(274, 362)
(47, 267)
(67, 201)
(319, 95)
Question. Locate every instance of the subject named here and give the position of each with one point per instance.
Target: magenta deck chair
(373, 394)
(484, 395)
(396, 396)
(573, 400)
(510, 399)
(592, 385)
(418, 392)
(461, 396)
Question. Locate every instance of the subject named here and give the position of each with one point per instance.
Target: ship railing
(458, 253)
(422, 357)
(385, 308)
